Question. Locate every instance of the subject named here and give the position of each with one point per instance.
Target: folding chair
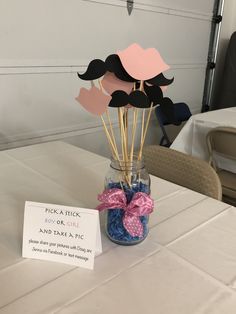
(176, 115)
(221, 141)
(182, 169)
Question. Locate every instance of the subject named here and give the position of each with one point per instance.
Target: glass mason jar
(131, 177)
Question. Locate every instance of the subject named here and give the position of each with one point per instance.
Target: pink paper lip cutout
(142, 64)
(111, 83)
(93, 100)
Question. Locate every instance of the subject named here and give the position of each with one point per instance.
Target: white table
(187, 264)
(192, 138)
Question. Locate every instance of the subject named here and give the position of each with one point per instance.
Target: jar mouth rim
(123, 165)
(134, 159)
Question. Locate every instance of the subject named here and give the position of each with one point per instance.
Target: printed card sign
(62, 234)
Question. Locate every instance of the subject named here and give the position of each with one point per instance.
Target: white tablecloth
(192, 138)
(187, 264)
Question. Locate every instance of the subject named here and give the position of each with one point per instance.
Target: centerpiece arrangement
(131, 81)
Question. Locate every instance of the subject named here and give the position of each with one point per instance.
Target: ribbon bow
(140, 205)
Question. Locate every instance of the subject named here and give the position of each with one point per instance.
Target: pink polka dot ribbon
(140, 205)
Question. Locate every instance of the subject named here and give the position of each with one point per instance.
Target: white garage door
(44, 43)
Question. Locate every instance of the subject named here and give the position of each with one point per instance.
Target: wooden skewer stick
(109, 121)
(114, 152)
(125, 137)
(111, 136)
(142, 128)
(123, 131)
(112, 132)
(143, 116)
(126, 130)
(135, 117)
(125, 115)
(145, 132)
(121, 134)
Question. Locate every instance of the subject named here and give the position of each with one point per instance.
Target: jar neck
(127, 165)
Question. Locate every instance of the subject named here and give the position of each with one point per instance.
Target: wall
(44, 43)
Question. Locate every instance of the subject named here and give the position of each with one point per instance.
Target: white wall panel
(188, 87)
(53, 110)
(200, 8)
(203, 7)
(40, 33)
(44, 43)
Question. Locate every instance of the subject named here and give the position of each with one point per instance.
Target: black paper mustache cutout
(160, 80)
(154, 93)
(136, 99)
(139, 99)
(97, 68)
(114, 65)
